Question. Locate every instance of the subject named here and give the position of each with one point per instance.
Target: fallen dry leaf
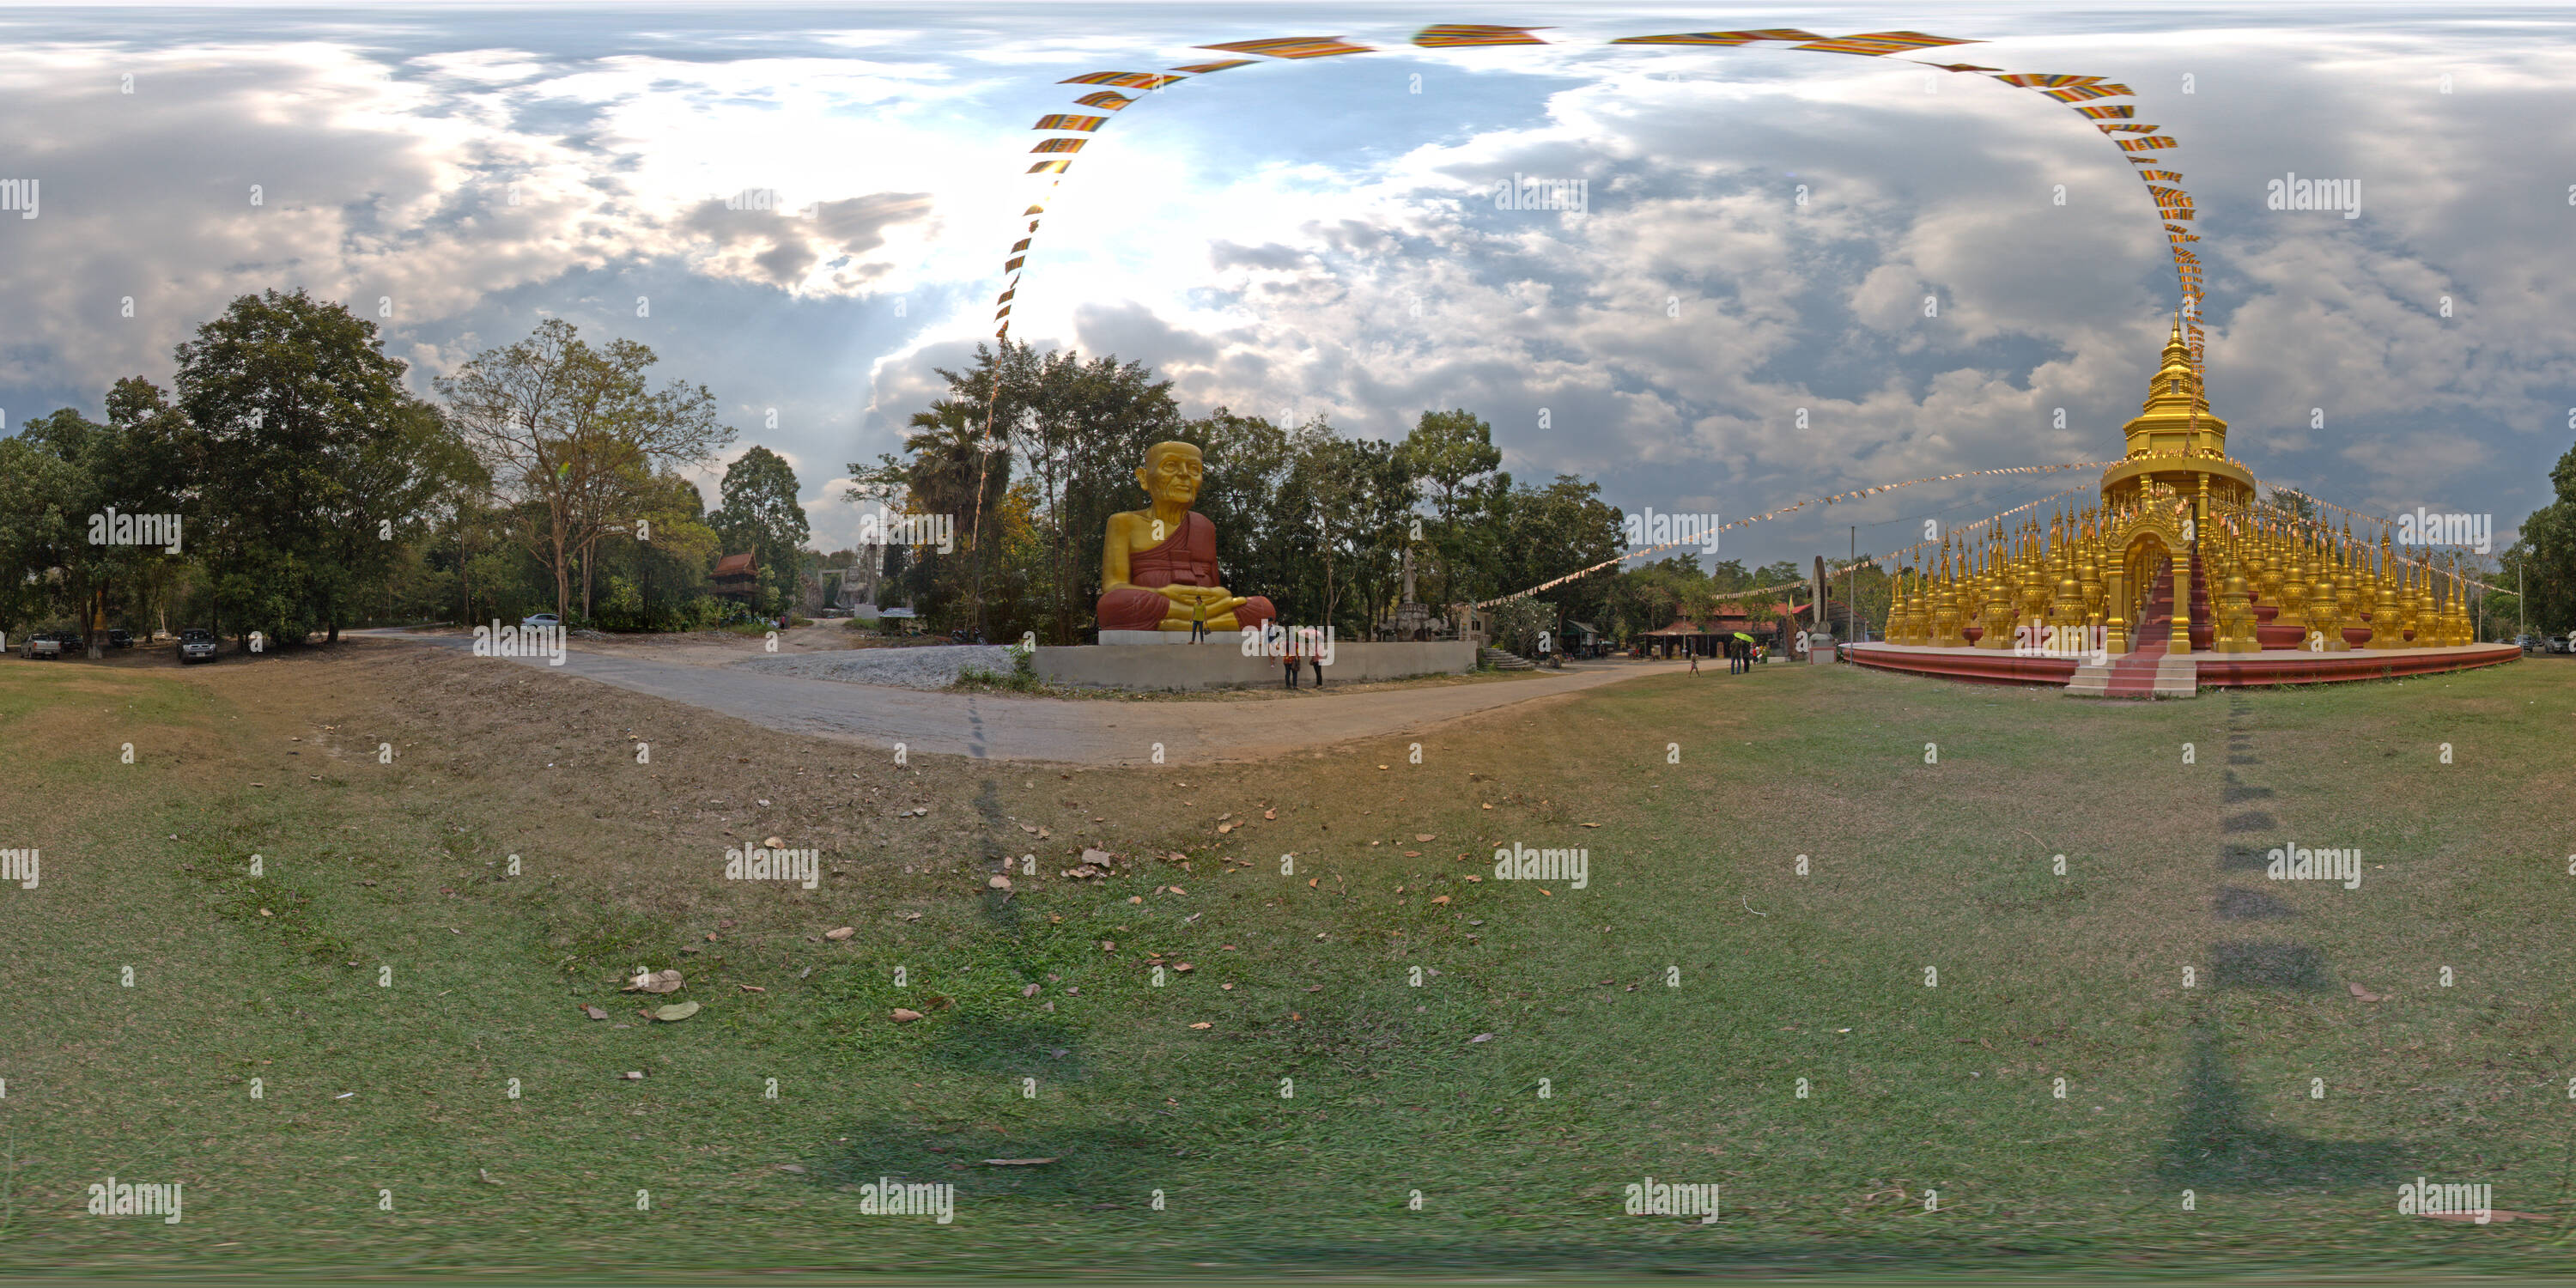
(2365, 994)
(667, 981)
(1439, 898)
(1481, 1037)
(1424, 836)
(905, 1015)
(773, 843)
(1182, 968)
(1270, 813)
(1202, 1025)
(675, 1013)
(840, 932)
(997, 883)
(631, 1076)
(751, 988)
(1029, 990)
(594, 1012)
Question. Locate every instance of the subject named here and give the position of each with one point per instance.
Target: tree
(1519, 623)
(1550, 532)
(760, 513)
(1451, 452)
(41, 500)
(578, 432)
(300, 445)
(949, 474)
(1785, 572)
(2543, 555)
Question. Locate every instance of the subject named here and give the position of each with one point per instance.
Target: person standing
(1694, 661)
(1316, 659)
(1291, 658)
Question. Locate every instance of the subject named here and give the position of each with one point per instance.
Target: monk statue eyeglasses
(1158, 564)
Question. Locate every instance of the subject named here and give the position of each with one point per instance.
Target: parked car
(44, 644)
(120, 638)
(2564, 643)
(196, 646)
(541, 619)
(2530, 643)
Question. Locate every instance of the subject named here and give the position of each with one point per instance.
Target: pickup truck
(44, 644)
(196, 646)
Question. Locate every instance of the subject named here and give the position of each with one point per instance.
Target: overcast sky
(1320, 236)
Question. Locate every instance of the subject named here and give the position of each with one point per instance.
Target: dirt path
(986, 726)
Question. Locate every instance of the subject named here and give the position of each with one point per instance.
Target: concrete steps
(2150, 670)
(1501, 660)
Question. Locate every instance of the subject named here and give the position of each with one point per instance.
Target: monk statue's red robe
(1186, 558)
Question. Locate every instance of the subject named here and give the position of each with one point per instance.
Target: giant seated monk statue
(1158, 564)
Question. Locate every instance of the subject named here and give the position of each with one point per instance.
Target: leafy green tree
(760, 513)
(1547, 533)
(1452, 453)
(2543, 556)
(578, 434)
(300, 447)
(42, 509)
(123, 467)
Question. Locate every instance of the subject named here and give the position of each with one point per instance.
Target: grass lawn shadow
(2217, 1145)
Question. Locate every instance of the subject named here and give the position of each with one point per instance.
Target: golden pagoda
(2176, 558)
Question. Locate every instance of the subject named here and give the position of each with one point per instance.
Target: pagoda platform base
(1979, 665)
(2165, 675)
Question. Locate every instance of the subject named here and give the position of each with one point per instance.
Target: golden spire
(2175, 419)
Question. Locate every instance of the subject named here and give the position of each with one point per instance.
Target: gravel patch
(930, 667)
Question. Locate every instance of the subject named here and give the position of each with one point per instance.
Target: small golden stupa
(2176, 558)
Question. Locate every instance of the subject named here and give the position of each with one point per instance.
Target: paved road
(1058, 729)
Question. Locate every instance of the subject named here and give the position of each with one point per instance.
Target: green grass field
(1658, 1022)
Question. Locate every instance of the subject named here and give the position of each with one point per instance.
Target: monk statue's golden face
(1171, 473)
